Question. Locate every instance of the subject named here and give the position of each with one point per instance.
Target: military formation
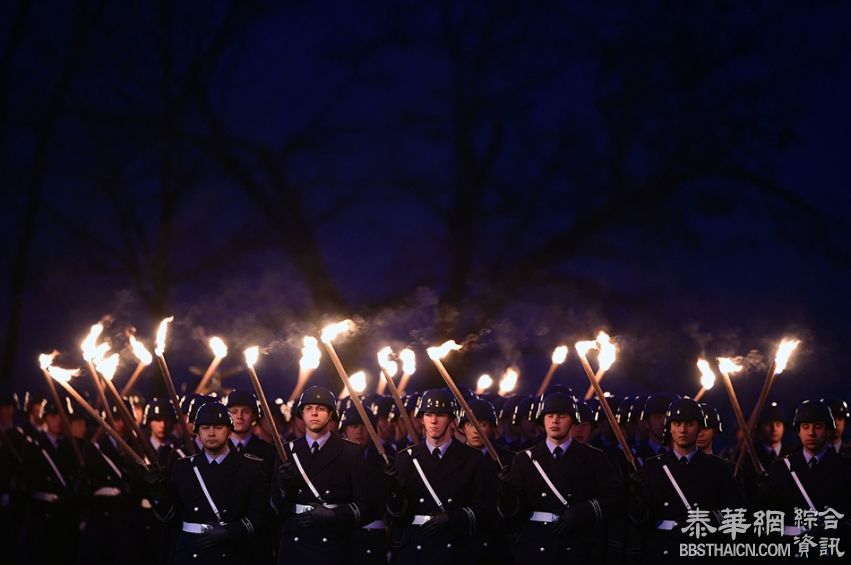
(521, 479)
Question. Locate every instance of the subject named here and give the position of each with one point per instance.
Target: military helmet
(482, 410)
(317, 395)
(381, 406)
(436, 401)
(159, 409)
(526, 410)
(195, 403)
(713, 418)
(351, 417)
(838, 407)
(9, 399)
(586, 412)
(813, 411)
(243, 398)
(656, 404)
(213, 413)
(508, 407)
(557, 403)
(773, 412)
(683, 410)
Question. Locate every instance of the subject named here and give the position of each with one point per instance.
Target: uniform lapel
(327, 454)
(450, 461)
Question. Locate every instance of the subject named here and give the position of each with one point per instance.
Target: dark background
(511, 174)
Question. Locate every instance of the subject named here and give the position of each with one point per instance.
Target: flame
(707, 377)
(220, 350)
(409, 361)
(107, 366)
(385, 362)
(161, 333)
(310, 353)
(330, 332)
(60, 374)
(443, 350)
(143, 355)
(583, 347)
(251, 355)
(89, 345)
(508, 382)
(728, 366)
(787, 346)
(608, 351)
(484, 382)
(560, 354)
(358, 381)
(45, 360)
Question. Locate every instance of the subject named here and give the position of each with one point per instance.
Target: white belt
(107, 491)
(193, 528)
(666, 525)
(146, 504)
(545, 517)
(420, 519)
(376, 525)
(792, 531)
(45, 496)
(302, 508)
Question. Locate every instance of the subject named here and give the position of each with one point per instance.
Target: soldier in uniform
(218, 496)
(437, 491)
(381, 407)
(403, 438)
(705, 481)
(709, 428)
(560, 492)
(841, 413)
(653, 421)
(768, 444)
(245, 412)
(583, 430)
(323, 491)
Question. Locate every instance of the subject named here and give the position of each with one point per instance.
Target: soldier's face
(656, 424)
(243, 417)
(581, 432)
(53, 423)
(316, 417)
(473, 437)
(813, 435)
(213, 437)
(436, 425)
(157, 428)
(356, 433)
(557, 426)
(705, 437)
(771, 432)
(684, 434)
(386, 429)
(840, 429)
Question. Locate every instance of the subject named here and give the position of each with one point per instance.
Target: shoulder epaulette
(252, 457)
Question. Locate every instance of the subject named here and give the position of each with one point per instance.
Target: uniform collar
(775, 448)
(156, 443)
(220, 457)
(808, 455)
(655, 446)
(551, 445)
(244, 441)
(321, 440)
(679, 455)
(442, 448)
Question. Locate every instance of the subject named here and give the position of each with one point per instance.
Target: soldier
(583, 430)
(437, 490)
(681, 479)
(323, 492)
(708, 429)
(769, 445)
(218, 496)
(653, 421)
(807, 480)
(403, 435)
(560, 492)
(245, 412)
(531, 433)
(381, 407)
(839, 409)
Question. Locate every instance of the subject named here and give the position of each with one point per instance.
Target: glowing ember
(728, 366)
(330, 332)
(220, 350)
(310, 354)
(107, 366)
(443, 350)
(484, 382)
(45, 360)
(707, 376)
(142, 354)
(89, 345)
(608, 351)
(560, 354)
(508, 382)
(161, 333)
(787, 346)
(358, 381)
(385, 362)
(409, 361)
(251, 355)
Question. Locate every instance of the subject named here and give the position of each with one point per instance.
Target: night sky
(510, 175)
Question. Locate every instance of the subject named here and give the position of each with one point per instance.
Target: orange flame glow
(251, 355)
(787, 346)
(142, 354)
(220, 350)
(560, 354)
(707, 376)
(386, 362)
(728, 366)
(443, 350)
(107, 366)
(508, 382)
(409, 361)
(161, 333)
(358, 381)
(330, 332)
(89, 345)
(310, 354)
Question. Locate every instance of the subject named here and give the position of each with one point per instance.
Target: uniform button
(665, 552)
(664, 504)
(569, 495)
(449, 500)
(109, 477)
(448, 546)
(224, 555)
(324, 540)
(419, 548)
(542, 549)
(543, 494)
(327, 492)
(194, 556)
(368, 551)
(422, 500)
(295, 538)
(299, 491)
(195, 509)
(484, 544)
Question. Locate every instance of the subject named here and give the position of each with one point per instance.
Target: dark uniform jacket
(238, 489)
(585, 478)
(491, 545)
(264, 451)
(339, 474)
(460, 481)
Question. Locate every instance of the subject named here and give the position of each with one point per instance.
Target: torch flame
(251, 355)
(707, 377)
(728, 366)
(107, 366)
(330, 332)
(508, 381)
(60, 374)
(484, 382)
(89, 345)
(142, 354)
(608, 351)
(310, 353)
(358, 381)
(385, 362)
(45, 360)
(443, 350)
(220, 350)
(560, 354)
(583, 347)
(409, 361)
(787, 346)
(161, 333)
